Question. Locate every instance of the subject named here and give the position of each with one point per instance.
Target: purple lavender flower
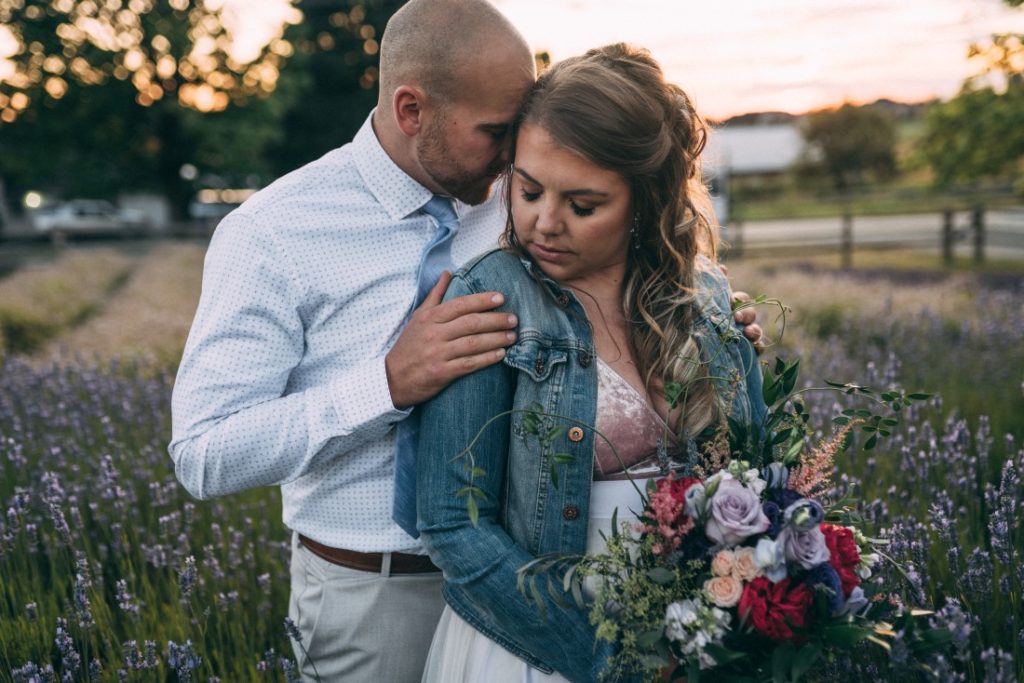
(70, 659)
(292, 630)
(187, 578)
(183, 659)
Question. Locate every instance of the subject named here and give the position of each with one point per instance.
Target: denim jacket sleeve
(718, 308)
(480, 561)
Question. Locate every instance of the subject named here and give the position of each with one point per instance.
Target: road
(1004, 231)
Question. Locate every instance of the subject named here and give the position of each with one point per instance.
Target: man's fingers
(753, 332)
(466, 305)
(467, 364)
(474, 344)
(436, 293)
(479, 323)
(742, 297)
(745, 316)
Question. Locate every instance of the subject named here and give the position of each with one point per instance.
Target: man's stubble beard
(446, 171)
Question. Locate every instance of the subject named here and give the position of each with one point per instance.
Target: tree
(105, 96)
(850, 144)
(334, 71)
(980, 132)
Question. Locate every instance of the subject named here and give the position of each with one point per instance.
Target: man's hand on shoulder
(446, 340)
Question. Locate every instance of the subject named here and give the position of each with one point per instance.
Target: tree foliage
(335, 74)
(100, 97)
(850, 144)
(980, 132)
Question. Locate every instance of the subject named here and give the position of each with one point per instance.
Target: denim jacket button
(570, 512)
(538, 365)
(575, 435)
(563, 300)
(584, 359)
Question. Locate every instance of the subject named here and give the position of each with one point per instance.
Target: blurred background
(866, 163)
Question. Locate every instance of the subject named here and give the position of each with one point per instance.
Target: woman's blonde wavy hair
(613, 107)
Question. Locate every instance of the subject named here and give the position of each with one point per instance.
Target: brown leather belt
(401, 563)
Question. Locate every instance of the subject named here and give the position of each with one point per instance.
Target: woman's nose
(548, 220)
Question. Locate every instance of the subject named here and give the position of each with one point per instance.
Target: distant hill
(901, 111)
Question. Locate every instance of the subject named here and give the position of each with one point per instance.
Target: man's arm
(233, 427)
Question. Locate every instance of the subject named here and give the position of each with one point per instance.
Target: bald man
(306, 352)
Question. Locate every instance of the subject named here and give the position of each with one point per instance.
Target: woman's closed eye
(581, 211)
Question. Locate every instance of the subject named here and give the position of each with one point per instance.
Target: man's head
(453, 73)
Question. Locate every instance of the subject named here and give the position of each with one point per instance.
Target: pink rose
(722, 563)
(725, 591)
(744, 566)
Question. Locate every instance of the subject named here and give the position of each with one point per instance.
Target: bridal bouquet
(748, 569)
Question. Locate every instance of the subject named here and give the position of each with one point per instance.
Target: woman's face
(571, 216)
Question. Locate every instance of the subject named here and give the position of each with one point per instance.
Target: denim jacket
(524, 514)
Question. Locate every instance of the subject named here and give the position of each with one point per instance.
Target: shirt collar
(396, 191)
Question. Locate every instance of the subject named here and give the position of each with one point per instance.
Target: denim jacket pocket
(535, 358)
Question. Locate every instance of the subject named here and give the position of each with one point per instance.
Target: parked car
(88, 216)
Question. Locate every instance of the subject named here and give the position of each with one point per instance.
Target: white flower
(752, 478)
(770, 557)
(856, 602)
(777, 475)
(678, 616)
(696, 501)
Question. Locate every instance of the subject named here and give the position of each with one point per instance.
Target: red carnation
(844, 555)
(775, 609)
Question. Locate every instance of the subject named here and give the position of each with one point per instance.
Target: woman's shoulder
(713, 291)
(493, 270)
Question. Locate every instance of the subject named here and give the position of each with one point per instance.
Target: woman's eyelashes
(581, 211)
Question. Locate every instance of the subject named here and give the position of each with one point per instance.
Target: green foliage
(334, 74)
(850, 144)
(116, 98)
(977, 134)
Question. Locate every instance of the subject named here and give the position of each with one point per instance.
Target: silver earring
(634, 232)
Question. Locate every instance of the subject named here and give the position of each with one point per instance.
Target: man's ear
(408, 105)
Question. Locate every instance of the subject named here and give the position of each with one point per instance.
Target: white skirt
(461, 654)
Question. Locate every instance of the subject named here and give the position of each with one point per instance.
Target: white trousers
(361, 626)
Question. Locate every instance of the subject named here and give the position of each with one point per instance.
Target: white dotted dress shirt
(306, 287)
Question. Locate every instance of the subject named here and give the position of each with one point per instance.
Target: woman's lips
(548, 254)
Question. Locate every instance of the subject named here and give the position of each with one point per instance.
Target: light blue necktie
(436, 258)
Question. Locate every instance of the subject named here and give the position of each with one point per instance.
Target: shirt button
(563, 300)
(584, 359)
(575, 435)
(570, 512)
(538, 365)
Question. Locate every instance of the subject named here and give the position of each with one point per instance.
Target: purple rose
(735, 514)
(805, 548)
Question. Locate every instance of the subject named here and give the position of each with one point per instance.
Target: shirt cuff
(363, 397)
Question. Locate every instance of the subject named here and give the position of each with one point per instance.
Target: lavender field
(109, 571)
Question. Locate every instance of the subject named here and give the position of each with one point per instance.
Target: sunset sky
(737, 56)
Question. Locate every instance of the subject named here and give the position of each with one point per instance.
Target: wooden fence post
(737, 242)
(947, 237)
(846, 241)
(978, 226)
